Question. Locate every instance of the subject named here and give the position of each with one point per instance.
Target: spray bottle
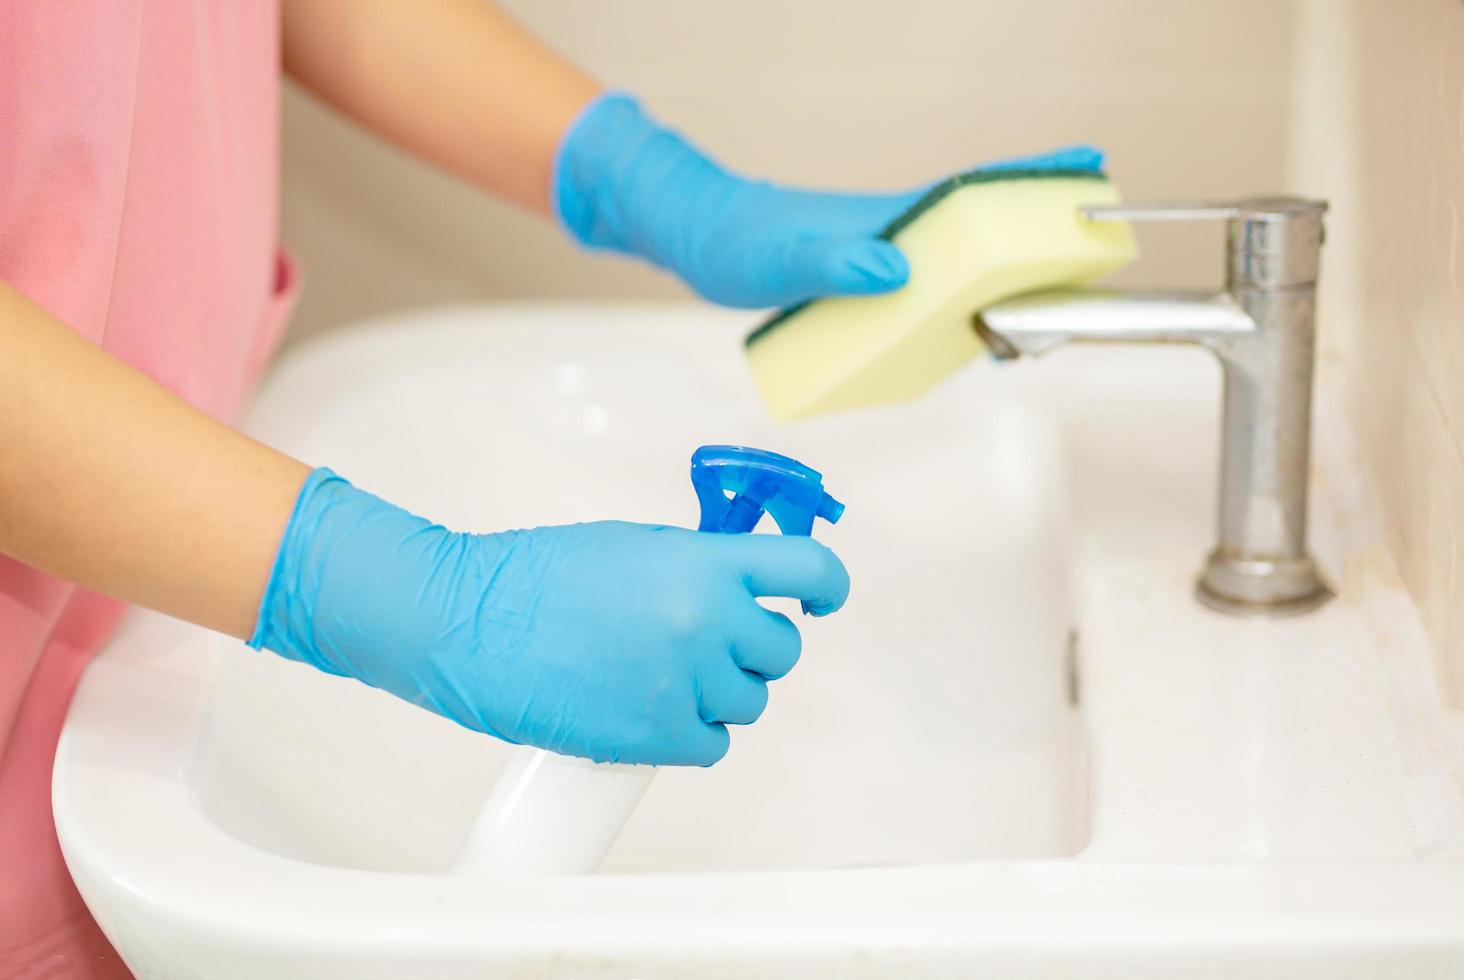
(556, 814)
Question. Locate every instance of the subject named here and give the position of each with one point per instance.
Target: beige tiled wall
(1189, 97)
(1379, 129)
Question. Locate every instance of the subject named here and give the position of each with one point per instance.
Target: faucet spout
(1038, 322)
(1262, 328)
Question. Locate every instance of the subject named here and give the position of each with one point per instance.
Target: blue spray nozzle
(736, 485)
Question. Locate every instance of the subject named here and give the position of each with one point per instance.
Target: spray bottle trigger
(736, 485)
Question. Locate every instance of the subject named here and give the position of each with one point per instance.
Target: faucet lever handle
(1272, 241)
(1173, 211)
(1263, 209)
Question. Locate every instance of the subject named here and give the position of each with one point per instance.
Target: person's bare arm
(110, 481)
(454, 81)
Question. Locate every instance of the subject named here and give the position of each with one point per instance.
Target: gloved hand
(622, 182)
(619, 642)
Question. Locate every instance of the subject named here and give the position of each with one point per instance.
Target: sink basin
(1022, 749)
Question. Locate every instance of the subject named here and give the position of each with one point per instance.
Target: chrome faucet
(1262, 327)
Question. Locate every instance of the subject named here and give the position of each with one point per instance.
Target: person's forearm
(110, 481)
(455, 81)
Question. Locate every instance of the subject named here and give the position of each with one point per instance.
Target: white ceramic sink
(1021, 750)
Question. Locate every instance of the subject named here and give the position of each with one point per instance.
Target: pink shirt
(138, 186)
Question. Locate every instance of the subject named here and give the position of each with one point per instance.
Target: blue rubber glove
(618, 642)
(622, 182)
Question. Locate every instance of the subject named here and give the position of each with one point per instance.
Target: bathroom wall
(1359, 101)
(1379, 130)
(860, 94)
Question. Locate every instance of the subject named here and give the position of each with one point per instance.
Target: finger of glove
(797, 267)
(729, 694)
(792, 566)
(766, 643)
(848, 267)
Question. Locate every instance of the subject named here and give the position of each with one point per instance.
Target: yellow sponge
(974, 240)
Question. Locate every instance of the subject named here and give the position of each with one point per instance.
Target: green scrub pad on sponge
(972, 241)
